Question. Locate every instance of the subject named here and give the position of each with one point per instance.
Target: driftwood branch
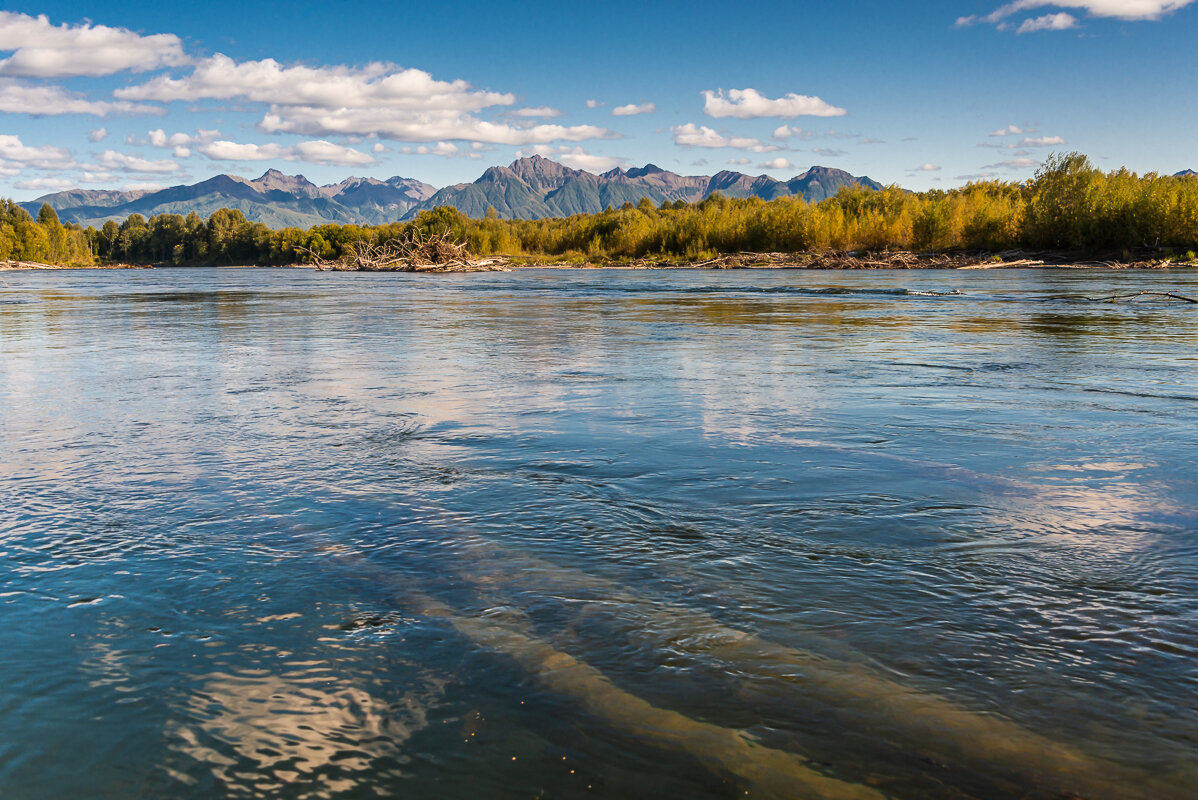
(416, 252)
(1133, 295)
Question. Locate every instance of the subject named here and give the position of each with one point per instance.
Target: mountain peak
(273, 180)
(648, 169)
(542, 174)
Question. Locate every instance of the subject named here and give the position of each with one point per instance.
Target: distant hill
(529, 188)
(1184, 172)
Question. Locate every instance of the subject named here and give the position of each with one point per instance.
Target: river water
(679, 534)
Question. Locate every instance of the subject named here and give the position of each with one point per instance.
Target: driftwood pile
(417, 252)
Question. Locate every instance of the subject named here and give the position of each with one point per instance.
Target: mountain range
(529, 188)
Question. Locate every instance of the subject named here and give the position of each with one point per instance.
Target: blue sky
(140, 94)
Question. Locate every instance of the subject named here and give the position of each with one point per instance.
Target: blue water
(679, 534)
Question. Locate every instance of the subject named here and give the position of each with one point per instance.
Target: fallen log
(1133, 295)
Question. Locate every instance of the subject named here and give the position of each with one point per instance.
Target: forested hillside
(1068, 207)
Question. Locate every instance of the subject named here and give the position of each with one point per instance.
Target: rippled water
(274, 533)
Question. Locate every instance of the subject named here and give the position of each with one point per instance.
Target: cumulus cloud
(1130, 10)
(111, 159)
(740, 161)
(1010, 130)
(13, 150)
(375, 85)
(544, 112)
(447, 149)
(783, 132)
(378, 99)
(43, 50)
(1041, 141)
(313, 152)
(419, 127)
(1015, 163)
(575, 157)
(98, 134)
(594, 104)
(44, 185)
(750, 104)
(632, 109)
(1048, 22)
(692, 135)
(927, 168)
(18, 97)
(776, 163)
(181, 143)
(379, 147)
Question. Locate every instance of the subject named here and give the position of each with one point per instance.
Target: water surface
(693, 534)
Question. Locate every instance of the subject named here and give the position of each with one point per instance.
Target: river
(591, 533)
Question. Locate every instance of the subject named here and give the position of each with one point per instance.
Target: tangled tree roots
(417, 252)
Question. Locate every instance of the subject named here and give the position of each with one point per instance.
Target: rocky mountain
(1185, 172)
(536, 187)
(275, 199)
(529, 188)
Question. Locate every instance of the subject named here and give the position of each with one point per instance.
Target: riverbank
(830, 260)
(11, 266)
(898, 259)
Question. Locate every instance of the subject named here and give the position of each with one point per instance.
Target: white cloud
(544, 112)
(379, 147)
(313, 152)
(420, 127)
(447, 149)
(575, 157)
(1015, 163)
(829, 152)
(373, 86)
(740, 161)
(1010, 130)
(776, 163)
(927, 168)
(749, 104)
(783, 132)
(44, 157)
(111, 159)
(43, 50)
(145, 186)
(632, 109)
(1040, 141)
(17, 97)
(871, 140)
(44, 185)
(692, 135)
(180, 143)
(1048, 22)
(378, 99)
(594, 104)
(1131, 10)
(98, 134)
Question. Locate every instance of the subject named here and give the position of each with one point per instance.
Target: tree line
(1068, 206)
